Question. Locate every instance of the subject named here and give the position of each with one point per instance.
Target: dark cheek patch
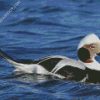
(83, 54)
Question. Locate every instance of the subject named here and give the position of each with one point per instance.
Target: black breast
(93, 76)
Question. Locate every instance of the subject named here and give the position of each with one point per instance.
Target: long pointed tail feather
(8, 58)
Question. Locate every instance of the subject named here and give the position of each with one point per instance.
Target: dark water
(39, 28)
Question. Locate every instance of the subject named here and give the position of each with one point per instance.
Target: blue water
(39, 28)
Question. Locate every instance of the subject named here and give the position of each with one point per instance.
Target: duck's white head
(88, 48)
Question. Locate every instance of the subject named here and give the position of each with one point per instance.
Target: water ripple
(51, 9)
(38, 28)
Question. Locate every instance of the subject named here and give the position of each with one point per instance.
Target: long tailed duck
(84, 69)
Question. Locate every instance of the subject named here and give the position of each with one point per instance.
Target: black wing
(72, 73)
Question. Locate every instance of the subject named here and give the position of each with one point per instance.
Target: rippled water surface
(31, 29)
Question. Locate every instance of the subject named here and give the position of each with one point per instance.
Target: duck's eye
(92, 46)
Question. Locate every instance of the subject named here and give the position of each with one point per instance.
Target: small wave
(24, 21)
(68, 39)
(51, 9)
(73, 89)
(25, 33)
(36, 21)
(19, 50)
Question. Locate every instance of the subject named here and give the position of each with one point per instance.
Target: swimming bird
(84, 69)
(88, 49)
